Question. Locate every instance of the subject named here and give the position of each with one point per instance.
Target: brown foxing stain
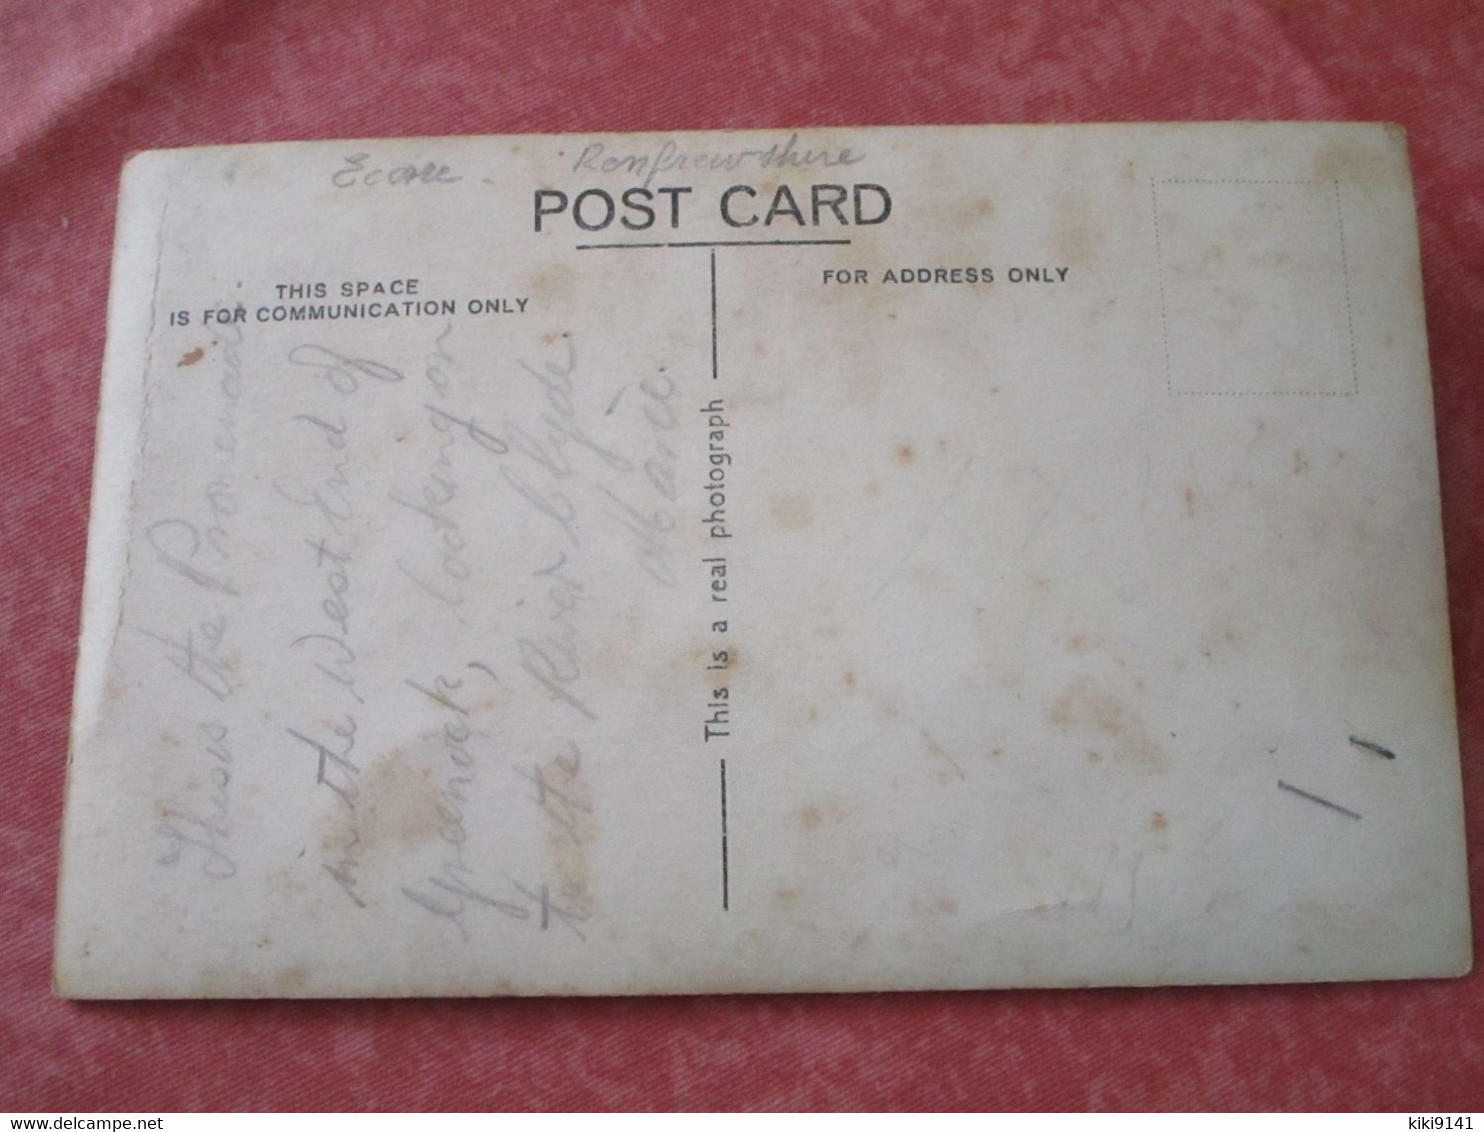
(873, 489)
(571, 828)
(1300, 462)
(849, 679)
(974, 212)
(399, 801)
(291, 981)
(792, 512)
(905, 455)
(1215, 255)
(1158, 821)
(1085, 709)
(1077, 232)
(1352, 164)
(936, 904)
(1189, 496)
(812, 817)
(551, 284)
(283, 881)
(787, 897)
(190, 357)
(396, 806)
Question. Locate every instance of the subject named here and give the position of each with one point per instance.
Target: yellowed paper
(818, 560)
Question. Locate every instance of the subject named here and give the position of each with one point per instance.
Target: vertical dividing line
(726, 896)
(713, 315)
(725, 893)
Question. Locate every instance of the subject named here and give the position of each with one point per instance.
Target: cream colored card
(818, 560)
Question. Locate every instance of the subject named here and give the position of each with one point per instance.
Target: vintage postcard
(778, 561)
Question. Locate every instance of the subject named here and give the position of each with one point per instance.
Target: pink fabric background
(83, 83)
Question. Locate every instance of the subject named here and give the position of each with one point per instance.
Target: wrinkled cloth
(82, 84)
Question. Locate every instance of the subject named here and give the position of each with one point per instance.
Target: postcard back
(792, 561)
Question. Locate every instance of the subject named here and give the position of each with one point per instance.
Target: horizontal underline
(712, 244)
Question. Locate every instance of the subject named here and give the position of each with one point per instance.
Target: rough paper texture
(860, 559)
